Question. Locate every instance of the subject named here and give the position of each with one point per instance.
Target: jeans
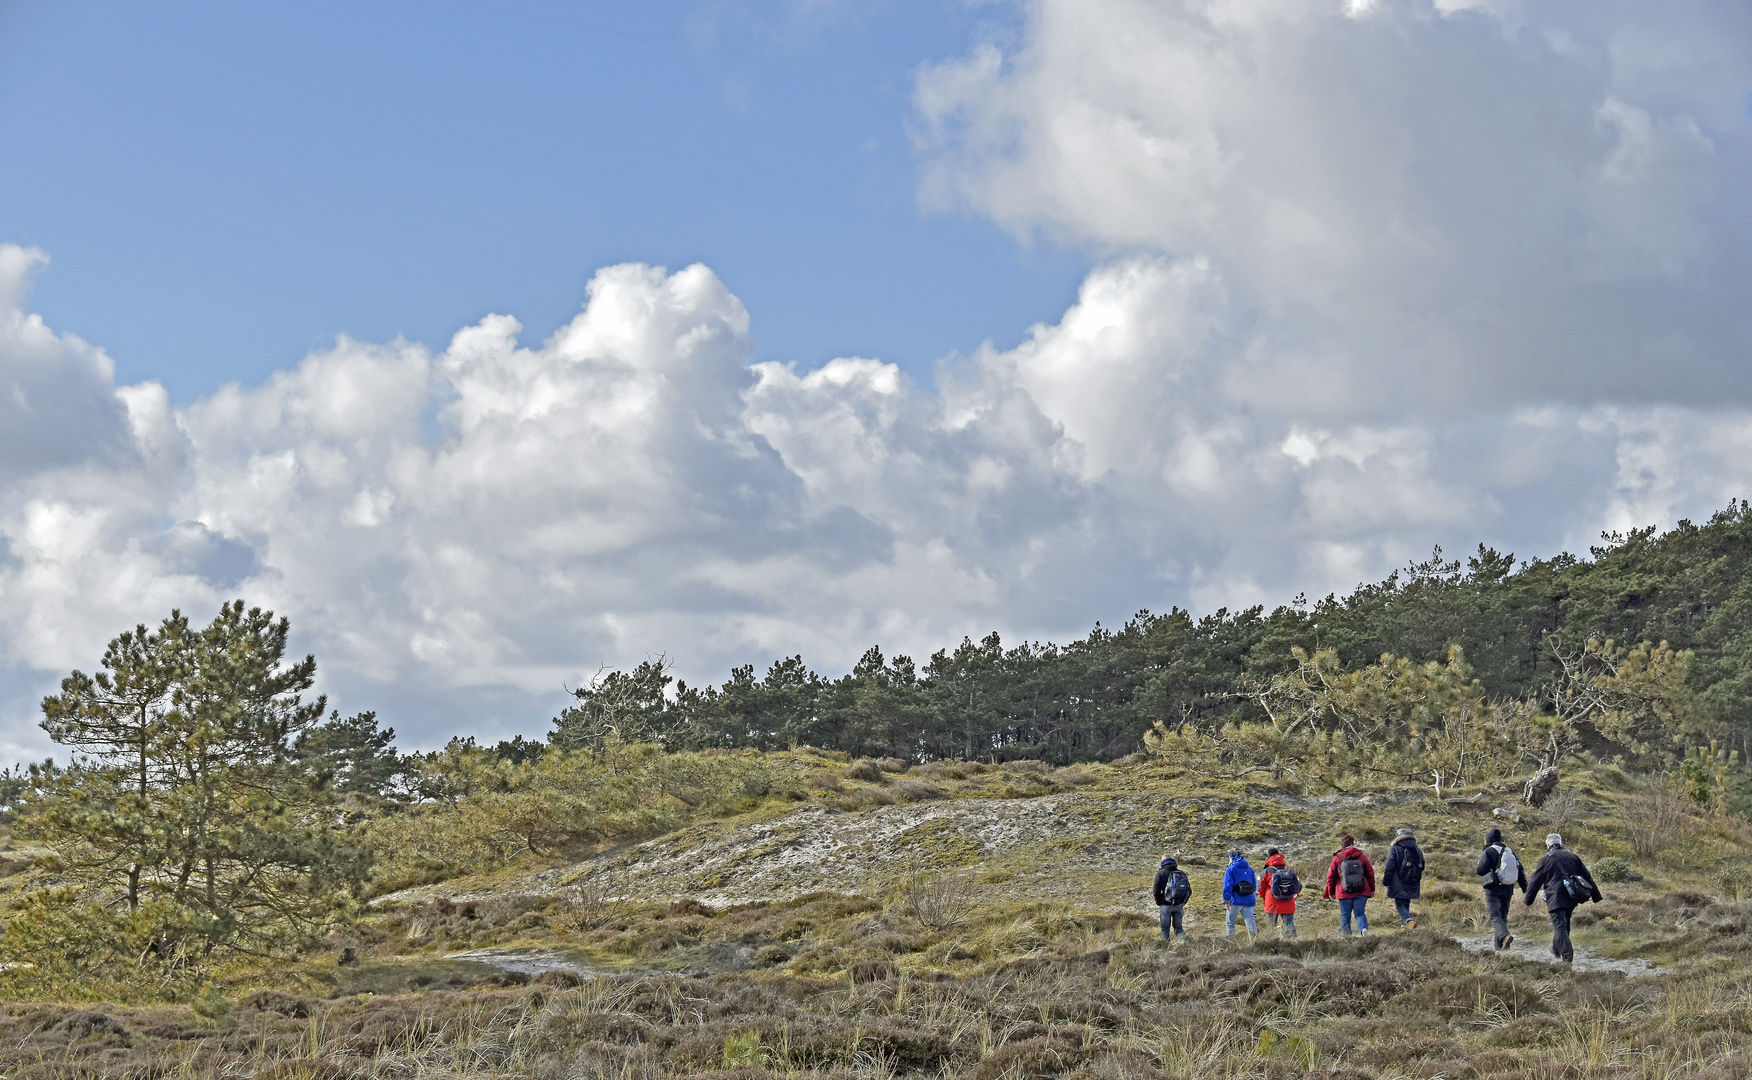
(1404, 909)
(1171, 914)
(1498, 905)
(1286, 921)
(1246, 912)
(1348, 905)
(1560, 942)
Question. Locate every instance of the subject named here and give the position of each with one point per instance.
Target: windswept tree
(616, 705)
(189, 811)
(118, 718)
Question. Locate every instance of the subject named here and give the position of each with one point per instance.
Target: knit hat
(1553, 840)
(1495, 836)
(1269, 852)
(1405, 832)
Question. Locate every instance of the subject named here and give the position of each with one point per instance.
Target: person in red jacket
(1279, 911)
(1351, 880)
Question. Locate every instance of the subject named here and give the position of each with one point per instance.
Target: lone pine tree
(190, 796)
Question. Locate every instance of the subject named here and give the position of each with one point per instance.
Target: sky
(496, 342)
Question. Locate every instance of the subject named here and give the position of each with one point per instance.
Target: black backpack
(1179, 889)
(1577, 889)
(1244, 886)
(1350, 876)
(1411, 870)
(1285, 884)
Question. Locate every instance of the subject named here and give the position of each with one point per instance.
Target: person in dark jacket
(1240, 893)
(1402, 876)
(1351, 901)
(1499, 894)
(1566, 884)
(1171, 912)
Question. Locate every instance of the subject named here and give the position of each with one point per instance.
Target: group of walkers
(1560, 877)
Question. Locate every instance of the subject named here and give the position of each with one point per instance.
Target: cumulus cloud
(457, 535)
(1420, 204)
(1372, 275)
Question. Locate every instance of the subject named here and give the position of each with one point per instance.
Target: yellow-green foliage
(1428, 722)
(498, 809)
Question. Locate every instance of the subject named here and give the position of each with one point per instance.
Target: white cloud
(1376, 275)
(456, 535)
(1407, 205)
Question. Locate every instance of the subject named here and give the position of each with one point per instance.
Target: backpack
(1244, 885)
(1351, 878)
(1508, 869)
(1412, 867)
(1285, 884)
(1179, 889)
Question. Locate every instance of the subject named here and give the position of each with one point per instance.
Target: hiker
(1499, 871)
(1173, 890)
(1277, 893)
(1351, 881)
(1402, 876)
(1239, 887)
(1566, 884)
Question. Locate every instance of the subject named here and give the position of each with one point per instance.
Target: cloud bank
(1373, 275)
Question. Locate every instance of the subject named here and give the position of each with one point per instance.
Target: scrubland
(864, 919)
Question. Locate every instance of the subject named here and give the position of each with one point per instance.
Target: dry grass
(963, 973)
(1656, 821)
(1409, 1005)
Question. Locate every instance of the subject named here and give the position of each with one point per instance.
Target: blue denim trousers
(1347, 906)
(1287, 922)
(1246, 912)
(1171, 916)
(1404, 909)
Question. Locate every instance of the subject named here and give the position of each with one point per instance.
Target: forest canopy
(1644, 647)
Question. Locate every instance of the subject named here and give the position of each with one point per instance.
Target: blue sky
(224, 187)
(1277, 296)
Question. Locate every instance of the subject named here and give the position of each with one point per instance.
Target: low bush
(865, 769)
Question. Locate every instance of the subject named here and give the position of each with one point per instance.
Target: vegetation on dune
(1674, 606)
(1087, 1002)
(910, 871)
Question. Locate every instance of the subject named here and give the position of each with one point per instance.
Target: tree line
(1523, 628)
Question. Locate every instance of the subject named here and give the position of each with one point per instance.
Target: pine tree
(119, 719)
(191, 798)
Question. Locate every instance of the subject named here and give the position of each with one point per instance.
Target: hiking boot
(1508, 941)
(1411, 924)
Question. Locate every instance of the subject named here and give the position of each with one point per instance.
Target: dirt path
(1537, 947)
(531, 962)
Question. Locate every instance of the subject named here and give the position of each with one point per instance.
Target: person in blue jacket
(1240, 892)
